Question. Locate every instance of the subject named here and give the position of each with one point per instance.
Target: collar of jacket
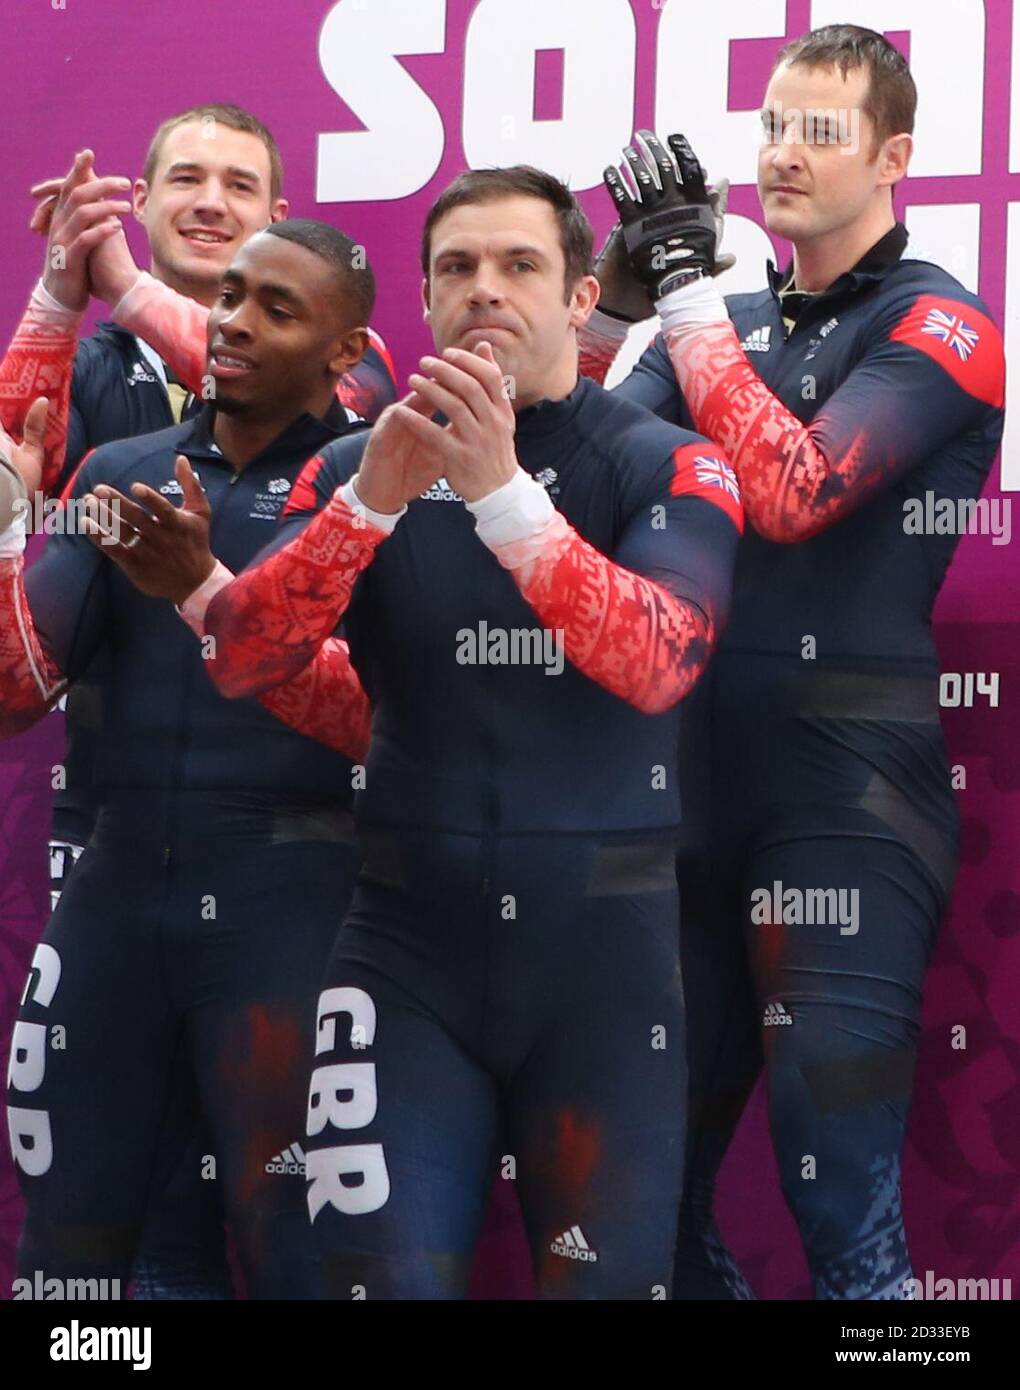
(873, 266)
(304, 437)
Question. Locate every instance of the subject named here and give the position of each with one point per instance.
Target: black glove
(669, 229)
(623, 295)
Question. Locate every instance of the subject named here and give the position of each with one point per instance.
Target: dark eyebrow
(266, 291)
(510, 251)
(184, 166)
(281, 292)
(250, 174)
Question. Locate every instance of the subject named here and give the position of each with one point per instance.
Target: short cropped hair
(891, 101)
(347, 259)
(520, 180)
(235, 118)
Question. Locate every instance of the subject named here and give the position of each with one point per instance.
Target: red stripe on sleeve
(303, 497)
(72, 480)
(701, 471)
(961, 340)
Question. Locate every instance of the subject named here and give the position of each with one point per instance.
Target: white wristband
(692, 306)
(382, 521)
(193, 609)
(57, 314)
(121, 311)
(13, 539)
(515, 511)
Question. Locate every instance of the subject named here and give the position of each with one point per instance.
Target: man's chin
(204, 271)
(226, 404)
(782, 223)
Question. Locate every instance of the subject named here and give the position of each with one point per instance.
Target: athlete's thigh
(843, 931)
(402, 1117)
(596, 1113)
(94, 1051)
(251, 976)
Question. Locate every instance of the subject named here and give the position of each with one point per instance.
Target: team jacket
(630, 577)
(165, 728)
(886, 397)
(104, 389)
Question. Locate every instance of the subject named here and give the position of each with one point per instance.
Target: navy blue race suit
(504, 994)
(183, 959)
(817, 759)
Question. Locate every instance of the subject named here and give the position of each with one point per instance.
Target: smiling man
(185, 952)
(212, 178)
(506, 982)
(859, 383)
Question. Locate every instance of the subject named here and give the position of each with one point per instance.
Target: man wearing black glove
(830, 837)
(670, 228)
(624, 298)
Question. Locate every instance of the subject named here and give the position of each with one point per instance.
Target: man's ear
(426, 302)
(349, 350)
(583, 298)
(279, 210)
(896, 159)
(139, 199)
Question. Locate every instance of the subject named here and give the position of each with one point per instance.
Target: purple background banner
(377, 104)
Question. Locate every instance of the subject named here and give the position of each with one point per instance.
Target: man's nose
(238, 323)
(485, 289)
(211, 197)
(787, 157)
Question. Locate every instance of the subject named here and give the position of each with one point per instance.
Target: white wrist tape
(515, 511)
(692, 306)
(122, 311)
(50, 309)
(193, 609)
(383, 521)
(12, 541)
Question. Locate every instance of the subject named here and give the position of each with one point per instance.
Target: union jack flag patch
(952, 331)
(715, 473)
(708, 476)
(961, 339)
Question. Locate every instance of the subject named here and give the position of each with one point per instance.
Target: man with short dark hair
(858, 384)
(212, 177)
(529, 589)
(185, 953)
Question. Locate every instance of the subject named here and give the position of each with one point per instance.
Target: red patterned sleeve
(598, 343)
(29, 681)
(326, 701)
(171, 323)
(622, 631)
(40, 362)
(935, 366)
(645, 639)
(273, 619)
